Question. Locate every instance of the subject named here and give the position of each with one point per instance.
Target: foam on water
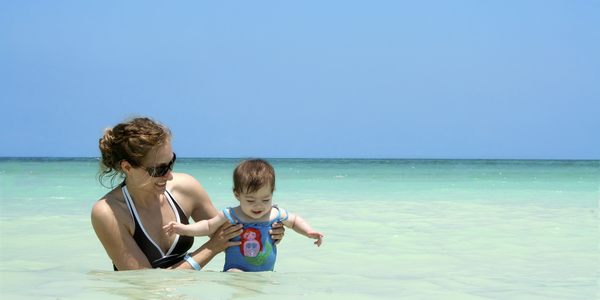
(409, 229)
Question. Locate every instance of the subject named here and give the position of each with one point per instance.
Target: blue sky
(327, 79)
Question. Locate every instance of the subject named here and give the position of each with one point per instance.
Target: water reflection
(185, 284)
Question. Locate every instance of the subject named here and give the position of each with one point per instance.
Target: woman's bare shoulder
(185, 184)
(182, 181)
(191, 196)
(110, 208)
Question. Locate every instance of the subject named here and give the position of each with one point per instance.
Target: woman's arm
(187, 187)
(217, 244)
(116, 238)
(200, 207)
(203, 209)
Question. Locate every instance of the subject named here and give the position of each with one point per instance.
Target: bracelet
(192, 262)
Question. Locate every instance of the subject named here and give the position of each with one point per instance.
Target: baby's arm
(202, 228)
(302, 227)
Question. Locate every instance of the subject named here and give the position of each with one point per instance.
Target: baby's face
(256, 205)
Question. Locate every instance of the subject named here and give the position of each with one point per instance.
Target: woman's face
(157, 157)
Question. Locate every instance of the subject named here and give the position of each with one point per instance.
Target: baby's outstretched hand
(313, 234)
(174, 227)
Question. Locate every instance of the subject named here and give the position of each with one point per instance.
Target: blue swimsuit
(257, 252)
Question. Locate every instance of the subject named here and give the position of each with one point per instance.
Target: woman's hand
(221, 238)
(277, 232)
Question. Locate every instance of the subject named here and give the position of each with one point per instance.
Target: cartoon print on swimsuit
(252, 247)
(251, 242)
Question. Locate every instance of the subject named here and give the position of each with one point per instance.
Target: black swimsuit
(157, 258)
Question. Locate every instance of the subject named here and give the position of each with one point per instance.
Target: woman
(129, 219)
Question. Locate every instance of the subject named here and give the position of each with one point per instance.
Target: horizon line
(307, 158)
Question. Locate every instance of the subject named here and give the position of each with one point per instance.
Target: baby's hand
(174, 227)
(313, 234)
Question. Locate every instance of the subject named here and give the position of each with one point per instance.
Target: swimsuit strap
(127, 201)
(279, 215)
(229, 216)
(230, 213)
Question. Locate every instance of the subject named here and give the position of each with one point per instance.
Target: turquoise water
(415, 229)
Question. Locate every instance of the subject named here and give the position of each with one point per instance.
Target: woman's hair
(130, 141)
(251, 175)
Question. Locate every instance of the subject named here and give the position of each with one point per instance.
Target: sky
(305, 79)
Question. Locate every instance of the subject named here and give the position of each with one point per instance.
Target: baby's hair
(251, 175)
(130, 141)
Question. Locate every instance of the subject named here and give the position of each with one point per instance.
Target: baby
(253, 186)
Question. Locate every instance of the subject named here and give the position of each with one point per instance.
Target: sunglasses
(161, 171)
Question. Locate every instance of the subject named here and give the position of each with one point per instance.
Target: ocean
(394, 228)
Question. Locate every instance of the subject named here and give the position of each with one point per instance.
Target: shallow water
(416, 229)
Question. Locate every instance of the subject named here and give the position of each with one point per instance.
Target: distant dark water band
(342, 161)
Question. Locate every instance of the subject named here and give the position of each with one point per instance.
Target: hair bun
(129, 141)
